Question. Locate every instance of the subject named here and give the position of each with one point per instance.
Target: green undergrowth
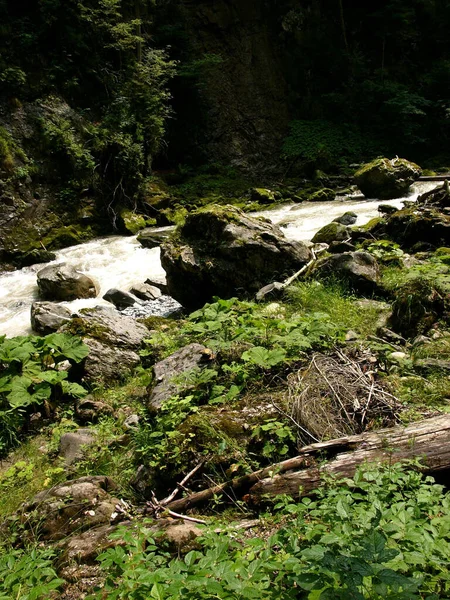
(383, 534)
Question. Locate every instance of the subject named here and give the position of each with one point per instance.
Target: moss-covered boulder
(384, 178)
(132, 222)
(323, 195)
(220, 251)
(333, 232)
(411, 226)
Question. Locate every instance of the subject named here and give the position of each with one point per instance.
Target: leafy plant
(29, 376)
(383, 534)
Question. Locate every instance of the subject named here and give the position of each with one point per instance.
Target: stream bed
(121, 262)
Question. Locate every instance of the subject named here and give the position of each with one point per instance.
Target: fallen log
(428, 440)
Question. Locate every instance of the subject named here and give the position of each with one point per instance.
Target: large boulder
(73, 443)
(167, 374)
(119, 298)
(106, 364)
(151, 238)
(383, 178)
(65, 282)
(220, 251)
(71, 506)
(47, 317)
(358, 269)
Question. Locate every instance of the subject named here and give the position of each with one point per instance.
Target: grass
(332, 298)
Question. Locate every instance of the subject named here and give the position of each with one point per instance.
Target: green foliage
(385, 251)
(28, 575)
(323, 144)
(383, 534)
(276, 438)
(29, 377)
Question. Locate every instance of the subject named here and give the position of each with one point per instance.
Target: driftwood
(428, 440)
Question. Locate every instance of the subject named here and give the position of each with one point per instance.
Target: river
(121, 262)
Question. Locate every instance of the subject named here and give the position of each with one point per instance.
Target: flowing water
(121, 262)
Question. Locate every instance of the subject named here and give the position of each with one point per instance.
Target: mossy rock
(418, 305)
(385, 179)
(323, 195)
(262, 195)
(132, 222)
(333, 232)
(64, 237)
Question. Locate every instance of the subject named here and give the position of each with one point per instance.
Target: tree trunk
(428, 440)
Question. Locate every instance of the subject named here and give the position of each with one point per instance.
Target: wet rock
(164, 306)
(323, 195)
(64, 282)
(341, 247)
(348, 218)
(149, 238)
(36, 256)
(108, 363)
(385, 179)
(220, 251)
(358, 269)
(48, 317)
(71, 506)
(418, 305)
(119, 298)
(72, 444)
(145, 291)
(168, 373)
(438, 198)
(333, 232)
(89, 410)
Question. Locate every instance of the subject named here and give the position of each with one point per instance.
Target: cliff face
(246, 94)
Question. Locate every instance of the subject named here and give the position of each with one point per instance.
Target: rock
(131, 222)
(385, 179)
(64, 282)
(438, 198)
(36, 256)
(145, 291)
(89, 410)
(108, 326)
(348, 218)
(428, 365)
(182, 535)
(323, 195)
(358, 269)
(341, 247)
(47, 317)
(331, 233)
(151, 238)
(162, 285)
(351, 336)
(85, 548)
(71, 445)
(132, 422)
(417, 306)
(220, 251)
(168, 372)
(420, 340)
(71, 506)
(262, 195)
(106, 364)
(413, 228)
(398, 357)
(386, 209)
(119, 298)
(390, 336)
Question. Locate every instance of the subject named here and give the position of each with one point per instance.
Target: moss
(330, 233)
(133, 222)
(323, 195)
(262, 195)
(63, 237)
(82, 328)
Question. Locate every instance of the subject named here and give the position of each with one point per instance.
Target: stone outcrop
(220, 251)
(48, 317)
(385, 179)
(64, 282)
